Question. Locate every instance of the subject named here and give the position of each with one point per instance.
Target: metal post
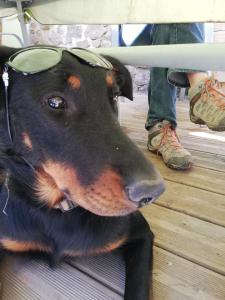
(26, 40)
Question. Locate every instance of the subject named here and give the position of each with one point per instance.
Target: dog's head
(64, 124)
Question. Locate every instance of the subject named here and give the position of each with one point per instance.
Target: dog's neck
(25, 181)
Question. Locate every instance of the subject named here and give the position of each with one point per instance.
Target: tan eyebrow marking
(74, 82)
(109, 80)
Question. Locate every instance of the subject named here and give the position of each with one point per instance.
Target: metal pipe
(26, 40)
(205, 57)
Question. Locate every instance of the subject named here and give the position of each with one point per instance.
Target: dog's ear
(5, 53)
(123, 77)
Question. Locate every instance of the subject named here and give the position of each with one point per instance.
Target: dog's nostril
(145, 201)
(145, 191)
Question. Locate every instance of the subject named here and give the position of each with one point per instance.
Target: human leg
(207, 98)
(161, 99)
(161, 119)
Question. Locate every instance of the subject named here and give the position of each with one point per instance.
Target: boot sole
(201, 122)
(185, 166)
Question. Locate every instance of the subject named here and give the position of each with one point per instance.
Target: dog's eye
(56, 102)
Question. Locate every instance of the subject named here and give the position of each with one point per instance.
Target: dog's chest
(71, 234)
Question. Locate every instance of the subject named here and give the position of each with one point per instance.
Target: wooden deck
(189, 219)
(188, 222)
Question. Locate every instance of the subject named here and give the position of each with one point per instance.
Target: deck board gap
(94, 278)
(196, 216)
(195, 261)
(194, 186)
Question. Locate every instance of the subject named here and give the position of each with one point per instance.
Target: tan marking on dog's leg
(105, 249)
(23, 246)
(113, 245)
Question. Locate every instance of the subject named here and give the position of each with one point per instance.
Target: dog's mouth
(58, 186)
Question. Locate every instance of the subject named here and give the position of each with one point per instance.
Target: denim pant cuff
(151, 123)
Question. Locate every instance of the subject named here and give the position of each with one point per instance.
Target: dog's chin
(106, 211)
(119, 213)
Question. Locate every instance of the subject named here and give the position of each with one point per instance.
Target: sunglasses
(37, 59)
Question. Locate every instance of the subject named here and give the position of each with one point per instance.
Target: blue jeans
(163, 81)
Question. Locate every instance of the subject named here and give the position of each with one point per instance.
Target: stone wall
(86, 36)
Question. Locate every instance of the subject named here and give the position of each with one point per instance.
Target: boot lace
(212, 90)
(170, 138)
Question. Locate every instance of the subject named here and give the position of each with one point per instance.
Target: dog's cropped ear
(6, 52)
(122, 76)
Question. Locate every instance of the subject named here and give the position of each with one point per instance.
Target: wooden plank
(209, 160)
(25, 279)
(188, 237)
(203, 145)
(175, 278)
(198, 203)
(209, 180)
(107, 268)
(13, 288)
(138, 133)
(209, 149)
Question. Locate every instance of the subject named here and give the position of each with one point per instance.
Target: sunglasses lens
(34, 60)
(92, 58)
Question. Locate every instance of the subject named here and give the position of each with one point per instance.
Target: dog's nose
(145, 191)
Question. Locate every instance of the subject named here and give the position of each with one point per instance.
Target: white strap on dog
(65, 205)
(5, 78)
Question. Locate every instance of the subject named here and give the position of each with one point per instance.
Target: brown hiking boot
(162, 138)
(207, 104)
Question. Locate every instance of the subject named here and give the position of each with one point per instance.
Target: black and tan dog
(72, 181)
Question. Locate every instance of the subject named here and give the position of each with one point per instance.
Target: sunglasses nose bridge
(93, 59)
